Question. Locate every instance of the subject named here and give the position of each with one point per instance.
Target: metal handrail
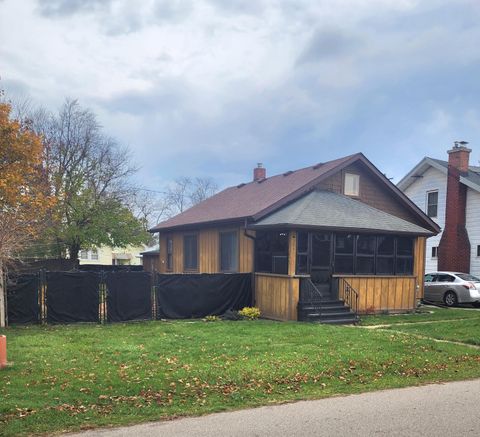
(350, 295)
(309, 293)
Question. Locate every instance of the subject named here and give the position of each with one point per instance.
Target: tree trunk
(73, 250)
(3, 299)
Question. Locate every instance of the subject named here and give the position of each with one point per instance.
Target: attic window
(351, 184)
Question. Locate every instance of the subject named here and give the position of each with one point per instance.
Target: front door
(321, 261)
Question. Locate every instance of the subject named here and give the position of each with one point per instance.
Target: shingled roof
(251, 199)
(327, 210)
(255, 200)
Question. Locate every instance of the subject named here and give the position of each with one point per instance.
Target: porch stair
(331, 311)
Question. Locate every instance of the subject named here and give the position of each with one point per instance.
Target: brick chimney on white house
(454, 247)
(259, 172)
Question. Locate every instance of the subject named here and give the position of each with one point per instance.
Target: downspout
(253, 238)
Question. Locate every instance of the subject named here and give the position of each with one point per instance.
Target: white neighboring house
(426, 185)
(105, 255)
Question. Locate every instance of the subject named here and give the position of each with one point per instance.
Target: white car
(452, 288)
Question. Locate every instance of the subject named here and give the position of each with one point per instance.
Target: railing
(308, 292)
(349, 295)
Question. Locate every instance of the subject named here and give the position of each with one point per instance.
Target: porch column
(292, 252)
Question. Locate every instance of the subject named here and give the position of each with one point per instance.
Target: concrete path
(451, 409)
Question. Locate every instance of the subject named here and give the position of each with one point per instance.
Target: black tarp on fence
(72, 297)
(22, 298)
(129, 296)
(199, 295)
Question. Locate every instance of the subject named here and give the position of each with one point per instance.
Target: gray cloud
(327, 44)
(62, 8)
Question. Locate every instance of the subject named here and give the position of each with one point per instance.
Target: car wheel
(450, 299)
(476, 304)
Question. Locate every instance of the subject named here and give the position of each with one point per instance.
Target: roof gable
(470, 179)
(257, 199)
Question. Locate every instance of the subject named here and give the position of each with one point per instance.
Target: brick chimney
(259, 172)
(454, 247)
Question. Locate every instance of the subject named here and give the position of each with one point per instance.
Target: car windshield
(467, 277)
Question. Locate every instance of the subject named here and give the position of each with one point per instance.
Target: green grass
(464, 331)
(423, 314)
(82, 376)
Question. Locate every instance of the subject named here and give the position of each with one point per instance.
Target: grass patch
(464, 331)
(423, 314)
(83, 376)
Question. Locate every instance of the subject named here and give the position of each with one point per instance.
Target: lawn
(423, 314)
(82, 376)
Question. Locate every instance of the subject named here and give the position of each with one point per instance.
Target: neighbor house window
(229, 251)
(351, 184)
(478, 250)
(190, 252)
(271, 252)
(169, 253)
(435, 251)
(432, 203)
(83, 254)
(94, 254)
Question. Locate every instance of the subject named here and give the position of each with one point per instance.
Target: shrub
(212, 319)
(250, 313)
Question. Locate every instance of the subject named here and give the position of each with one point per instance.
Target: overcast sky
(211, 87)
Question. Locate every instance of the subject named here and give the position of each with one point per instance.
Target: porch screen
(271, 252)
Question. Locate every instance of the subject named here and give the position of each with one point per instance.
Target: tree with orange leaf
(25, 199)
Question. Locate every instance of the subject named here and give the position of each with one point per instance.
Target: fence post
(154, 298)
(102, 298)
(42, 296)
(3, 298)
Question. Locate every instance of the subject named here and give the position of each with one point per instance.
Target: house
(105, 255)
(432, 185)
(334, 233)
(150, 260)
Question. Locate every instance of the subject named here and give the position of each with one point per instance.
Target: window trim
(197, 268)
(237, 234)
(427, 203)
(351, 194)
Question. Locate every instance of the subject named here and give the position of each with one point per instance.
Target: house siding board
(208, 250)
(371, 192)
(432, 180)
(473, 228)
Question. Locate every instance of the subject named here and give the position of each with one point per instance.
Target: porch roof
(327, 210)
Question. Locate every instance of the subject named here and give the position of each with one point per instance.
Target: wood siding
(382, 293)
(208, 241)
(372, 192)
(277, 296)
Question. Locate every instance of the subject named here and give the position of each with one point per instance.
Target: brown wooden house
(333, 234)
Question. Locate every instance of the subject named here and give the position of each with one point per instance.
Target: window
(83, 254)
(442, 277)
(271, 252)
(365, 259)
(229, 251)
(385, 255)
(344, 244)
(435, 251)
(190, 252)
(432, 203)
(478, 250)
(404, 256)
(352, 184)
(95, 254)
(169, 253)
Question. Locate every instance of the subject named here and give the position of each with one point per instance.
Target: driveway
(432, 410)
